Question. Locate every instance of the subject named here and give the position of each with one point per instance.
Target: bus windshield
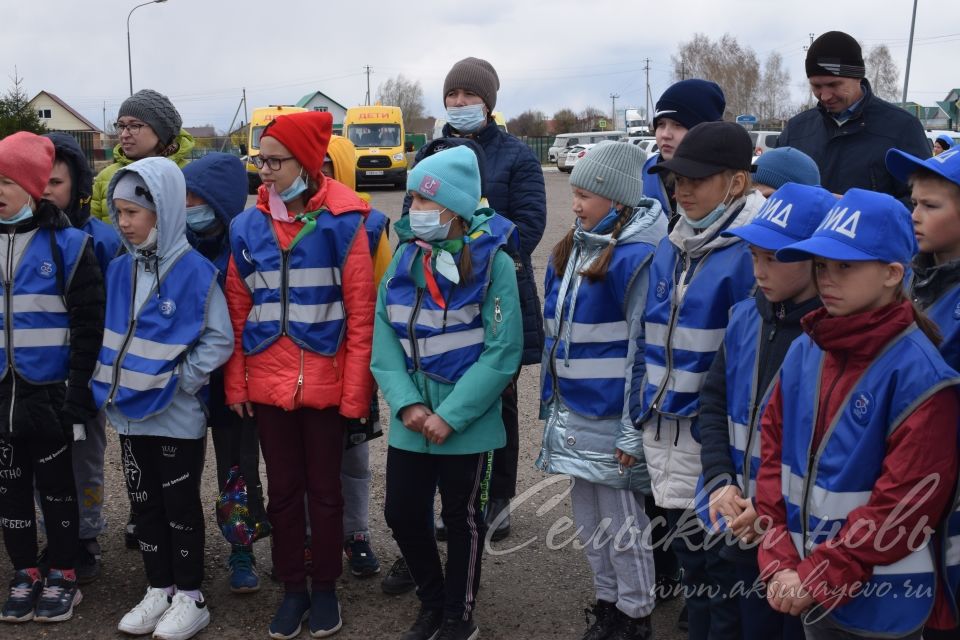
(374, 135)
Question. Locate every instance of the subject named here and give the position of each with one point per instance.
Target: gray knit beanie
(156, 110)
(612, 170)
(131, 187)
(476, 75)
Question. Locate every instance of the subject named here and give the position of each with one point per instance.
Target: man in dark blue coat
(850, 130)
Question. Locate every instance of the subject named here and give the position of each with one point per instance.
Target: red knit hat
(27, 159)
(306, 135)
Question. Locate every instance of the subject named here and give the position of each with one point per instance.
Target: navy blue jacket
(852, 154)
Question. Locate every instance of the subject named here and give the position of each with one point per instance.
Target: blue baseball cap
(863, 225)
(946, 165)
(791, 214)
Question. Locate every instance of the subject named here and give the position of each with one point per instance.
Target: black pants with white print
(163, 482)
(48, 462)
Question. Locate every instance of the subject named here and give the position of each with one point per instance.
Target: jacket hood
(931, 280)
(68, 150)
(221, 180)
(740, 212)
(185, 144)
(646, 224)
(168, 188)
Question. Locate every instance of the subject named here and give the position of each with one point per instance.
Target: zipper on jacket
(299, 389)
(127, 339)
(497, 314)
(284, 294)
(411, 333)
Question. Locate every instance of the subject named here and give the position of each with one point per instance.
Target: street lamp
(129, 63)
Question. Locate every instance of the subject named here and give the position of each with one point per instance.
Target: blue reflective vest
(296, 293)
(375, 224)
(683, 334)
(589, 372)
(443, 343)
(897, 599)
(653, 185)
(106, 241)
(137, 370)
(34, 313)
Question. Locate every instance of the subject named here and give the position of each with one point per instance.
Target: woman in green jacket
(148, 125)
(448, 337)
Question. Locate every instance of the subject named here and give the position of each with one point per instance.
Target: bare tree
(773, 93)
(528, 123)
(590, 118)
(404, 93)
(883, 74)
(734, 67)
(565, 121)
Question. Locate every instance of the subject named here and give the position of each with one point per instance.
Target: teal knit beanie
(451, 178)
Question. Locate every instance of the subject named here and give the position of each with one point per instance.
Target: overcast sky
(549, 54)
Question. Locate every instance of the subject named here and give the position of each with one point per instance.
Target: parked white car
(566, 161)
(647, 143)
(763, 141)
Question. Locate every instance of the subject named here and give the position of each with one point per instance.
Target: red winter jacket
(924, 444)
(273, 376)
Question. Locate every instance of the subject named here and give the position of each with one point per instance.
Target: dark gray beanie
(156, 110)
(476, 75)
(612, 170)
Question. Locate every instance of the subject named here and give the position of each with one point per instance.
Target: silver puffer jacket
(575, 444)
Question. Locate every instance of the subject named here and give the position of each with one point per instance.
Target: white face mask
(426, 224)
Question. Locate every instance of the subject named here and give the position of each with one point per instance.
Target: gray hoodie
(185, 417)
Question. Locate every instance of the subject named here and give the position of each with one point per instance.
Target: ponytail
(598, 270)
(926, 325)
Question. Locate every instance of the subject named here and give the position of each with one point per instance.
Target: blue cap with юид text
(791, 213)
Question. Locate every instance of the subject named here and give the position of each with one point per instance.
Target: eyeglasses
(273, 163)
(133, 128)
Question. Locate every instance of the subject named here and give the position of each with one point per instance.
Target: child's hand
(240, 406)
(414, 416)
(625, 459)
(743, 525)
(786, 593)
(436, 429)
(723, 503)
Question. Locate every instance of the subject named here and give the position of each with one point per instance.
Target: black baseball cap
(708, 149)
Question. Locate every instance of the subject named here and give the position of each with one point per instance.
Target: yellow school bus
(377, 133)
(262, 116)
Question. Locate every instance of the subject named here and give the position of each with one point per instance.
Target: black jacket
(930, 281)
(852, 154)
(51, 409)
(779, 333)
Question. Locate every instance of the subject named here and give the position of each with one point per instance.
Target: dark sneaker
(363, 561)
(58, 598)
(682, 620)
(495, 508)
(293, 610)
(632, 628)
(22, 599)
(130, 539)
(667, 587)
(398, 579)
(426, 626)
(88, 561)
(324, 614)
(439, 529)
(458, 629)
(243, 572)
(604, 623)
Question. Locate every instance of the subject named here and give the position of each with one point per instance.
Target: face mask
(711, 217)
(294, 190)
(25, 213)
(426, 225)
(467, 119)
(201, 217)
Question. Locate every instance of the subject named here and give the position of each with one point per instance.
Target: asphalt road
(535, 584)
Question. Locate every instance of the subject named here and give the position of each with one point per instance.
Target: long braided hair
(598, 270)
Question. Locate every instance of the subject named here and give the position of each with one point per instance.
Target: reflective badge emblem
(661, 291)
(47, 269)
(862, 407)
(167, 307)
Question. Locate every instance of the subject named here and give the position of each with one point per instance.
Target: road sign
(602, 124)
(747, 119)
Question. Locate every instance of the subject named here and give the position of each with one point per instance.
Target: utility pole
(683, 69)
(647, 106)
(245, 117)
(613, 108)
(105, 116)
(367, 67)
(906, 76)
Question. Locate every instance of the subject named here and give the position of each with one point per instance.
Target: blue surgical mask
(711, 217)
(201, 217)
(606, 225)
(426, 225)
(468, 119)
(294, 190)
(25, 213)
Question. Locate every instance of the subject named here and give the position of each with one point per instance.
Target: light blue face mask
(468, 119)
(25, 213)
(711, 217)
(426, 225)
(201, 217)
(294, 190)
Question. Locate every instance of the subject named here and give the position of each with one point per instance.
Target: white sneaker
(184, 619)
(143, 618)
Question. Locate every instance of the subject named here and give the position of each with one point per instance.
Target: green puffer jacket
(472, 405)
(98, 203)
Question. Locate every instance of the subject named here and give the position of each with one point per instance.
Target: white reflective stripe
(312, 313)
(38, 303)
(953, 551)
(132, 379)
(740, 433)
(103, 373)
(113, 340)
(40, 337)
(680, 381)
(263, 280)
(686, 338)
(590, 368)
(313, 277)
(917, 562)
(266, 312)
(835, 505)
(550, 326)
(792, 483)
(444, 342)
(752, 491)
(433, 318)
(581, 332)
(143, 348)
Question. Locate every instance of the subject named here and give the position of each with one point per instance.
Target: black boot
(605, 620)
(498, 511)
(632, 628)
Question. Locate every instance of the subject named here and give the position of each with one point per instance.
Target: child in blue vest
(448, 338)
(167, 329)
(695, 277)
(935, 191)
(741, 376)
(52, 291)
(595, 291)
(858, 455)
(216, 193)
